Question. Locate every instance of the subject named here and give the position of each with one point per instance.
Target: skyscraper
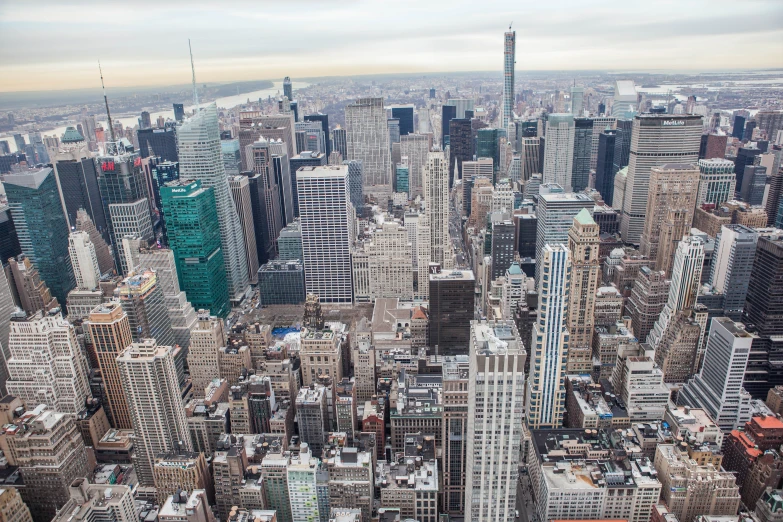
(288, 89)
(240, 192)
(201, 159)
(503, 247)
(583, 140)
(206, 339)
(559, 150)
(754, 185)
(179, 112)
(556, 211)
(415, 147)
(159, 143)
(670, 204)
(625, 97)
(41, 226)
(326, 224)
(622, 144)
(549, 351)
(84, 260)
(509, 60)
(77, 181)
(448, 113)
(461, 146)
(142, 300)
(583, 242)
(102, 252)
(577, 101)
(436, 201)
(656, 139)
(368, 141)
(194, 236)
(149, 380)
(110, 333)
(456, 382)
(717, 181)
(323, 119)
(732, 263)
(496, 386)
(717, 388)
(404, 114)
(47, 365)
(604, 170)
(452, 304)
(340, 138)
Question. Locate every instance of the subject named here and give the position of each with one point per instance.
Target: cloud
(51, 44)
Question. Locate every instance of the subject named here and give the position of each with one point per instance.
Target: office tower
(762, 316)
(754, 181)
(503, 247)
(281, 282)
(132, 229)
(312, 416)
(648, 297)
(471, 171)
(717, 181)
(160, 143)
(436, 203)
(415, 147)
(200, 159)
(321, 354)
(746, 157)
(314, 137)
(43, 231)
(323, 119)
(717, 388)
(179, 112)
(240, 192)
(194, 237)
(142, 300)
(732, 263)
(448, 113)
(232, 158)
(340, 137)
(277, 128)
(302, 486)
(326, 224)
(288, 90)
(530, 153)
(49, 452)
(604, 169)
(738, 127)
(355, 183)
(583, 140)
(549, 352)
(622, 144)
(12, 507)
(7, 307)
(110, 333)
(685, 281)
(274, 173)
(770, 122)
(26, 287)
(583, 241)
(656, 139)
(84, 260)
(145, 122)
(9, 239)
(714, 146)
(452, 304)
(405, 116)
(390, 253)
(350, 479)
(509, 61)
(487, 146)
(625, 98)
(577, 101)
(461, 146)
(559, 151)
(495, 420)
(180, 470)
(47, 365)
(20, 143)
(456, 383)
(556, 211)
(600, 124)
(77, 181)
(206, 338)
(149, 379)
(672, 197)
(290, 242)
(368, 141)
(401, 179)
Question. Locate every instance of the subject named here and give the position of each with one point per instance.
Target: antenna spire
(106, 101)
(193, 69)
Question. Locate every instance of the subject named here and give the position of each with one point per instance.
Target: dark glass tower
(9, 239)
(622, 145)
(323, 119)
(604, 169)
(179, 111)
(79, 184)
(461, 145)
(159, 142)
(487, 147)
(745, 158)
(41, 227)
(583, 141)
(341, 142)
(449, 113)
(452, 302)
(405, 115)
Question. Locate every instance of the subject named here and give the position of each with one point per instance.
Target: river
(227, 102)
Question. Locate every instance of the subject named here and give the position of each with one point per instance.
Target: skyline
(142, 47)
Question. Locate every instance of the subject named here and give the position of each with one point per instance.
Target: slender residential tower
(200, 158)
(509, 52)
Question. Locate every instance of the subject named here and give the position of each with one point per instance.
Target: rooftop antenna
(509, 25)
(193, 69)
(106, 101)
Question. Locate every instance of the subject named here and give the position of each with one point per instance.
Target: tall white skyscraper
(201, 158)
(326, 217)
(496, 389)
(686, 276)
(509, 53)
(717, 181)
(240, 192)
(368, 141)
(625, 97)
(556, 211)
(206, 339)
(577, 101)
(47, 365)
(718, 386)
(549, 353)
(415, 147)
(559, 150)
(731, 265)
(436, 201)
(84, 260)
(656, 139)
(149, 378)
(302, 487)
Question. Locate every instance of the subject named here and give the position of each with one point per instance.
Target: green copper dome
(71, 135)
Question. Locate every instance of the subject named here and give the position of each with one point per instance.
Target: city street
(525, 499)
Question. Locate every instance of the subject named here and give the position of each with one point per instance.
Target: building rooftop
(31, 179)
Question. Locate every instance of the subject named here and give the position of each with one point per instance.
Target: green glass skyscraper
(41, 226)
(194, 236)
(487, 146)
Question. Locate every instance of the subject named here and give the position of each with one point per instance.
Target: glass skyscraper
(194, 236)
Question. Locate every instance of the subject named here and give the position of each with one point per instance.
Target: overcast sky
(55, 44)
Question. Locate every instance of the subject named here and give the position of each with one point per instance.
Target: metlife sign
(673, 123)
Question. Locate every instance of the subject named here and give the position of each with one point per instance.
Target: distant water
(226, 102)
